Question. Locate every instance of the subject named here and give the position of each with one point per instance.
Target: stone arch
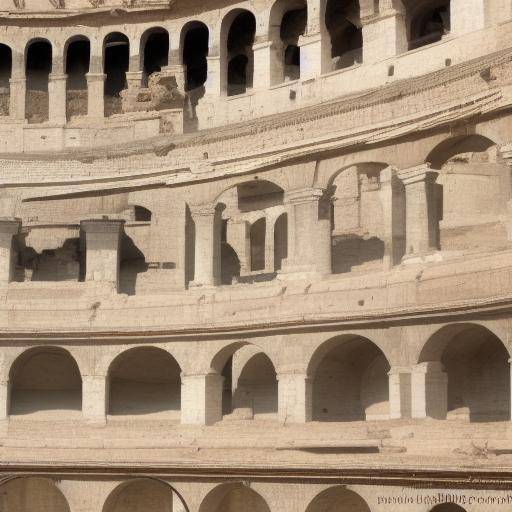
(250, 383)
(194, 50)
(145, 381)
(427, 22)
(465, 374)
(350, 380)
(238, 31)
(154, 51)
(116, 62)
(344, 28)
(45, 381)
(338, 499)
(33, 493)
(472, 220)
(142, 494)
(38, 66)
(233, 497)
(77, 60)
(287, 23)
(6, 64)
(447, 507)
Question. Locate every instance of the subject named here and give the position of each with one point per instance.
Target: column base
(419, 258)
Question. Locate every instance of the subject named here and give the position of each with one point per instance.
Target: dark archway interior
(116, 64)
(195, 51)
(46, 381)
(350, 382)
(258, 234)
(145, 381)
(240, 53)
(38, 68)
(29, 494)
(77, 67)
(448, 507)
(293, 26)
(430, 24)
(233, 498)
(280, 241)
(338, 499)
(156, 53)
(5, 76)
(344, 27)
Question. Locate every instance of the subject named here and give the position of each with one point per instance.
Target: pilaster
(95, 398)
(295, 398)
(9, 228)
(201, 399)
(17, 100)
(429, 391)
(400, 392)
(96, 94)
(268, 67)
(467, 16)
(57, 98)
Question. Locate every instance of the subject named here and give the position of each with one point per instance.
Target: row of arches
(31, 493)
(349, 376)
(288, 21)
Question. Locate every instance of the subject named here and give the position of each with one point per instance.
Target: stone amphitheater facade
(255, 256)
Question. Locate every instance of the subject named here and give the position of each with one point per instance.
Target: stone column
(309, 233)
(5, 400)
(421, 212)
(429, 391)
(17, 99)
(57, 98)
(8, 229)
(238, 236)
(103, 241)
(133, 79)
(95, 398)
(96, 94)
(266, 65)
(295, 398)
(399, 392)
(384, 36)
(315, 56)
(201, 399)
(467, 16)
(269, 244)
(214, 85)
(208, 224)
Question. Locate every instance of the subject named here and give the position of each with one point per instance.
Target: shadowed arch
(338, 499)
(143, 494)
(233, 497)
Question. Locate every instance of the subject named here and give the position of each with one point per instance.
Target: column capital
(203, 210)
(304, 195)
(428, 367)
(55, 77)
(416, 174)
(9, 226)
(397, 370)
(309, 38)
(102, 225)
(506, 153)
(96, 77)
(18, 80)
(261, 45)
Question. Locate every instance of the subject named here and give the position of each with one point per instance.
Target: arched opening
(429, 22)
(46, 381)
(240, 58)
(31, 493)
(116, 64)
(77, 66)
(350, 381)
(293, 26)
(258, 233)
(246, 254)
(195, 39)
(5, 76)
(280, 241)
(38, 69)
(145, 381)
(359, 219)
(144, 494)
(141, 214)
(338, 499)
(472, 193)
(448, 507)
(155, 48)
(468, 375)
(343, 22)
(233, 498)
(250, 383)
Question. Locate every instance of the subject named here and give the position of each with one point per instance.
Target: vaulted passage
(77, 67)
(233, 498)
(293, 26)
(38, 69)
(143, 495)
(338, 499)
(145, 381)
(155, 47)
(117, 57)
(468, 375)
(344, 26)
(31, 495)
(429, 22)
(350, 381)
(5, 75)
(195, 51)
(46, 381)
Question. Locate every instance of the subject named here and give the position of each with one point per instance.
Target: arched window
(77, 66)
(38, 69)
(116, 63)
(5, 76)
(429, 23)
(195, 50)
(293, 25)
(155, 48)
